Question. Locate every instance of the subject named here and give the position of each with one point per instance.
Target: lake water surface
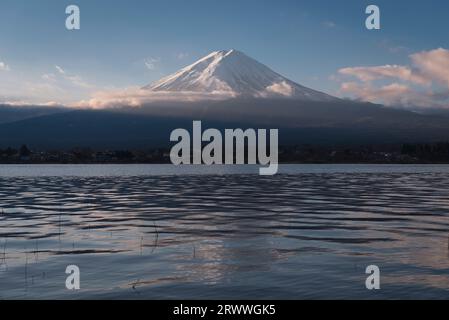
(159, 231)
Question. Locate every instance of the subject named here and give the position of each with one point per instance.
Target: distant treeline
(428, 152)
(405, 153)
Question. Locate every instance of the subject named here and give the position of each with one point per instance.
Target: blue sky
(132, 43)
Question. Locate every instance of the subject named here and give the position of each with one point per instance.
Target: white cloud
(21, 103)
(78, 81)
(424, 83)
(182, 55)
(49, 77)
(151, 63)
(137, 97)
(4, 66)
(329, 24)
(393, 48)
(60, 70)
(58, 87)
(367, 74)
(73, 79)
(281, 88)
(20, 91)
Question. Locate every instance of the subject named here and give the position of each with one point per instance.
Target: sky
(319, 44)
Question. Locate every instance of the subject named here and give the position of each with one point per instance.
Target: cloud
(182, 55)
(394, 49)
(49, 77)
(433, 64)
(20, 91)
(24, 103)
(60, 70)
(78, 81)
(4, 66)
(397, 94)
(367, 74)
(423, 83)
(50, 88)
(151, 63)
(73, 79)
(329, 24)
(138, 97)
(281, 88)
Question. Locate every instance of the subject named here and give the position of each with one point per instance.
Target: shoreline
(280, 163)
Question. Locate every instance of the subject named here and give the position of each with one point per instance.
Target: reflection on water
(295, 235)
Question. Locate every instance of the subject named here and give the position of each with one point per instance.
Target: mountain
(234, 74)
(9, 113)
(311, 123)
(254, 96)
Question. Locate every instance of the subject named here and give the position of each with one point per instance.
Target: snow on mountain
(234, 74)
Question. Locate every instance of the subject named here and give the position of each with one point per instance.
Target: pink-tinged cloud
(137, 97)
(394, 93)
(433, 64)
(423, 84)
(367, 74)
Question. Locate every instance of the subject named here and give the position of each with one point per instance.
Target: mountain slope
(298, 123)
(9, 113)
(257, 97)
(234, 74)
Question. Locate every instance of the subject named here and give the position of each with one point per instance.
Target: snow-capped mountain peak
(234, 74)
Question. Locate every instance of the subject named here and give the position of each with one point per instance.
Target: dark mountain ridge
(344, 122)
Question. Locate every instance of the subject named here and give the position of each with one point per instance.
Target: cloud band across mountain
(137, 97)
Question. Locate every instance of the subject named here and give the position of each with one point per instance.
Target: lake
(224, 232)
